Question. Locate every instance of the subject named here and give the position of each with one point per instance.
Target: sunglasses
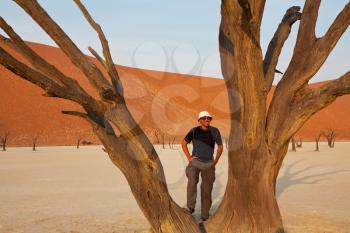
(205, 118)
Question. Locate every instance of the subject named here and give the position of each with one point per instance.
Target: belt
(205, 161)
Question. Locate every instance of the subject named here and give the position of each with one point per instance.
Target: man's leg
(208, 178)
(192, 174)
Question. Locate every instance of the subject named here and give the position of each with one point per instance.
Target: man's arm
(185, 150)
(218, 154)
(218, 141)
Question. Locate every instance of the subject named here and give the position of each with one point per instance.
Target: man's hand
(185, 150)
(218, 154)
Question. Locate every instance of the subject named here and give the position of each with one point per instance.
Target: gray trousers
(207, 171)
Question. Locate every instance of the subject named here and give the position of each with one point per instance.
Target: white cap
(203, 114)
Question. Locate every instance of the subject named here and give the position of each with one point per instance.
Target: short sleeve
(217, 137)
(189, 137)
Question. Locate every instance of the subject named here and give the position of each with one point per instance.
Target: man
(201, 161)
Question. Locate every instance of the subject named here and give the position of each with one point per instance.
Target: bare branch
(26, 72)
(338, 87)
(52, 88)
(336, 30)
(93, 74)
(306, 34)
(78, 114)
(111, 142)
(98, 57)
(275, 47)
(314, 101)
(309, 55)
(112, 71)
(35, 60)
(8, 42)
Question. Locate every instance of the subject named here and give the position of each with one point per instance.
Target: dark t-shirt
(203, 142)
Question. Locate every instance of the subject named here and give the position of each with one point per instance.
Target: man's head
(204, 118)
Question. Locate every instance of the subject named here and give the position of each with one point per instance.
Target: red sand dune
(158, 100)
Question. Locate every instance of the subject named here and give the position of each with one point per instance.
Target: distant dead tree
(330, 135)
(172, 142)
(156, 134)
(333, 141)
(162, 134)
(169, 141)
(78, 142)
(317, 139)
(293, 144)
(34, 141)
(4, 139)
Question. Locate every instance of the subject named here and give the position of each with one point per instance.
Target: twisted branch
(112, 71)
(92, 73)
(275, 46)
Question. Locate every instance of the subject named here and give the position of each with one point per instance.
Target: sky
(175, 36)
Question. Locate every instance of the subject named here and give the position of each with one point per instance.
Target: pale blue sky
(177, 36)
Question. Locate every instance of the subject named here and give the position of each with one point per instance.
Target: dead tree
(169, 141)
(78, 142)
(34, 141)
(330, 135)
(4, 140)
(172, 142)
(299, 142)
(156, 135)
(293, 144)
(259, 136)
(317, 139)
(162, 134)
(333, 141)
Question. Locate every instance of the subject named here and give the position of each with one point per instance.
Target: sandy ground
(62, 189)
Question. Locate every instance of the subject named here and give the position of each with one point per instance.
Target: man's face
(205, 121)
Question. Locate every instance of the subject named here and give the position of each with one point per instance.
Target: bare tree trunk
(333, 141)
(172, 143)
(156, 135)
(249, 203)
(330, 135)
(293, 144)
(78, 143)
(317, 139)
(252, 165)
(34, 141)
(4, 140)
(163, 140)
